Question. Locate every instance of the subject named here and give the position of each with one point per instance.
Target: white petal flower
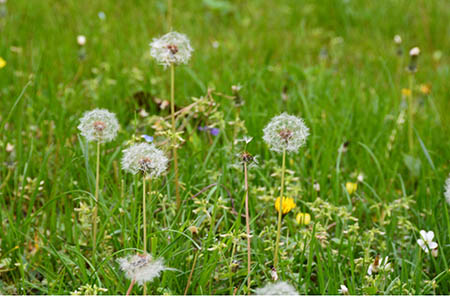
(397, 39)
(172, 48)
(447, 190)
(144, 158)
(99, 125)
(278, 289)
(285, 132)
(81, 40)
(343, 290)
(427, 243)
(141, 268)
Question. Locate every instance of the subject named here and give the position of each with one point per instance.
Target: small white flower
(144, 158)
(447, 190)
(285, 132)
(427, 243)
(101, 15)
(414, 51)
(343, 290)
(236, 88)
(99, 125)
(397, 39)
(81, 40)
(215, 44)
(280, 288)
(360, 177)
(172, 48)
(378, 265)
(316, 186)
(141, 268)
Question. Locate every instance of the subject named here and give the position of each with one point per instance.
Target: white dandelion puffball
(172, 48)
(278, 289)
(141, 268)
(285, 132)
(81, 40)
(447, 190)
(144, 158)
(414, 51)
(99, 125)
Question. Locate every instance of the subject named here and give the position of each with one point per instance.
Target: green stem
(144, 215)
(94, 217)
(410, 114)
(247, 223)
(174, 147)
(280, 212)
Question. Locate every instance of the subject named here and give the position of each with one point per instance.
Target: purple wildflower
(147, 138)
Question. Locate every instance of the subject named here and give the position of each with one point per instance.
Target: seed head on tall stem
(100, 126)
(284, 134)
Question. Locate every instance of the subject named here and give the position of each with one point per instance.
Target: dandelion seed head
(278, 289)
(447, 190)
(172, 48)
(99, 125)
(141, 268)
(285, 132)
(144, 158)
(414, 51)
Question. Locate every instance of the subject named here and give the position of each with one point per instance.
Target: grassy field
(332, 62)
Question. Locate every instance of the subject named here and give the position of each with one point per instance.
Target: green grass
(353, 94)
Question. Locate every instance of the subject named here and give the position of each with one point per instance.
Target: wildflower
(99, 125)
(377, 265)
(147, 138)
(172, 48)
(144, 158)
(414, 54)
(414, 51)
(287, 204)
(303, 218)
(398, 42)
(279, 288)
(316, 186)
(397, 39)
(286, 132)
(2, 62)
(81, 40)
(406, 92)
(427, 243)
(360, 177)
(9, 148)
(343, 290)
(101, 15)
(212, 130)
(447, 190)
(351, 187)
(425, 89)
(274, 274)
(141, 268)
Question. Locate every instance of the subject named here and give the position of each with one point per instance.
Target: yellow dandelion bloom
(2, 62)
(287, 204)
(351, 187)
(425, 89)
(406, 92)
(303, 218)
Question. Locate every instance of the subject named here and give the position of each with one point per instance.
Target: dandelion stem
(247, 219)
(94, 217)
(190, 274)
(280, 211)
(410, 113)
(130, 287)
(144, 211)
(174, 146)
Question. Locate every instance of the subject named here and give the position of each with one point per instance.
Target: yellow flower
(425, 89)
(287, 204)
(2, 62)
(351, 187)
(406, 92)
(303, 218)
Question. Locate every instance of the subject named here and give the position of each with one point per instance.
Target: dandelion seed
(287, 204)
(144, 158)
(141, 268)
(81, 40)
(99, 125)
(303, 218)
(447, 190)
(277, 289)
(343, 290)
(285, 132)
(351, 187)
(172, 48)
(2, 62)
(426, 242)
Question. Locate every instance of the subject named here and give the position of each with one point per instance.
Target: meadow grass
(332, 62)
